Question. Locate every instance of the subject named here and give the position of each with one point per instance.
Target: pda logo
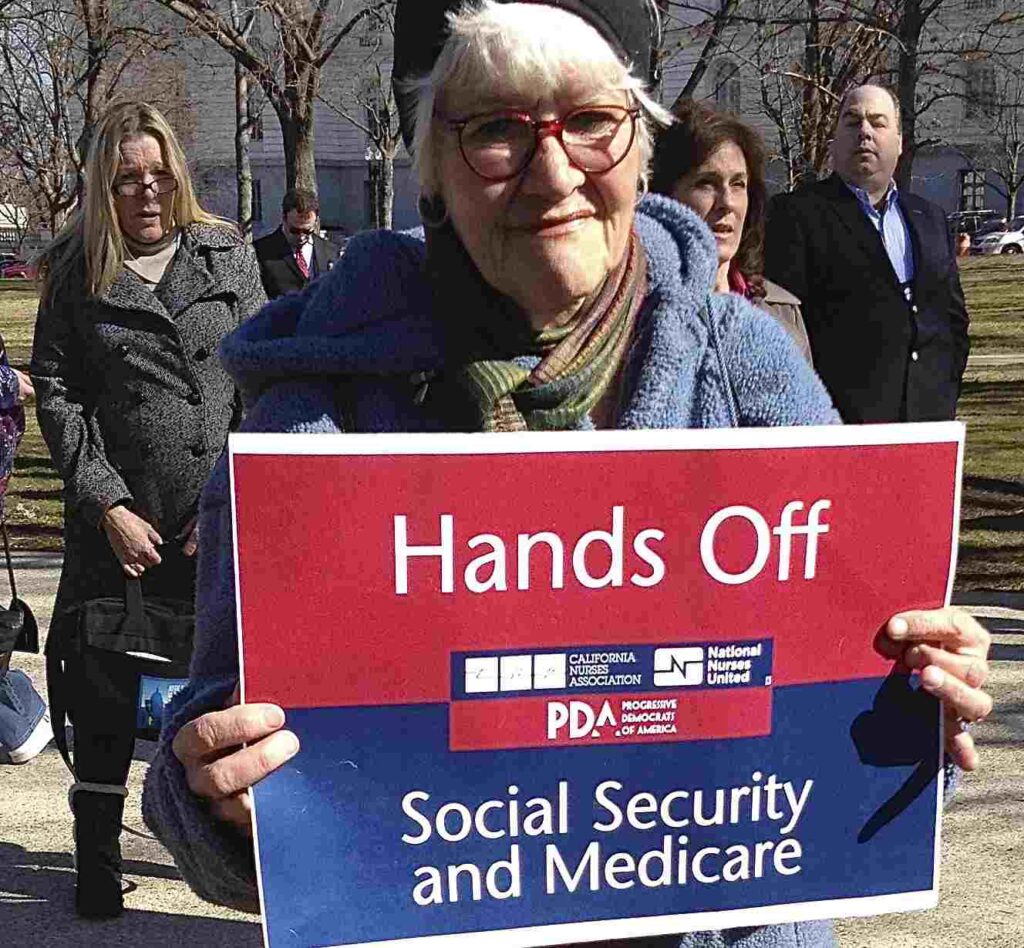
(678, 667)
(577, 719)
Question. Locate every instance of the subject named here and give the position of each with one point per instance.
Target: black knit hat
(630, 27)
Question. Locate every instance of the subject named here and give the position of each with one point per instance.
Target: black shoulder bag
(119, 661)
(18, 629)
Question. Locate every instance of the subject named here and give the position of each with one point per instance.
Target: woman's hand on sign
(133, 540)
(949, 648)
(219, 769)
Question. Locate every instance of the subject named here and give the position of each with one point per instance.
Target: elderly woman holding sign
(543, 294)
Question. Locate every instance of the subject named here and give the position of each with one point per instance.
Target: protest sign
(568, 687)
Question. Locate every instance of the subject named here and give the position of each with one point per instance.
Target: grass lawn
(34, 504)
(992, 405)
(992, 524)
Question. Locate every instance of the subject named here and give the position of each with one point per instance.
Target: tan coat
(785, 307)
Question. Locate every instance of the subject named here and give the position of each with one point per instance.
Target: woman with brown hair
(714, 163)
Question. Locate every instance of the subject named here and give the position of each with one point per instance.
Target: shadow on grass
(994, 485)
(29, 494)
(27, 463)
(1001, 524)
(34, 530)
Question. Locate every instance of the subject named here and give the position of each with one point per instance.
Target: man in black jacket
(295, 253)
(876, 272)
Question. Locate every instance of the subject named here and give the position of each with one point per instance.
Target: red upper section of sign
(323, 625)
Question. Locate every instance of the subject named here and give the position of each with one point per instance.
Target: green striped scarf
(496, 380)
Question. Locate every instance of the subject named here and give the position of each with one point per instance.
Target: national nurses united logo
(610, 694)
(679, 667)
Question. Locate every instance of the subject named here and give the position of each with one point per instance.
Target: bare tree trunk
(909, 35)
(243, 128)
(387, 191)
(299, 157)
(95, 15)
(243, 169)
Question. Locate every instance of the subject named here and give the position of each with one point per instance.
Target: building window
(726, 87)
(972, 190)
(980, 100)
(257, 199)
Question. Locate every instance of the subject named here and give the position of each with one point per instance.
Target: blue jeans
(21, 709)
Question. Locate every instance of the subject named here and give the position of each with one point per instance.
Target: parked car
(18, 270)
(971, 222)
(1007, 239)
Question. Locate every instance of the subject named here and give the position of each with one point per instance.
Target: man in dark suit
(295, 253)
(876, 272)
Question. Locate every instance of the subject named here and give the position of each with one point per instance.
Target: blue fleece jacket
(349, 352)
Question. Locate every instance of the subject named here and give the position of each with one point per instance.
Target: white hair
(532, 49)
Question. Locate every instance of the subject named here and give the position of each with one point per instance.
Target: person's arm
(9, 387)
(949, 649)
(196, 795)
(67, 418)
(770, 378)
(959, 318)
(786, 248)
(215, 859)
(253, 296)
(266, 281)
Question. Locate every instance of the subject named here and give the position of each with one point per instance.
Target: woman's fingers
(216, 731)
(149, 556)
(25, 388)
(949, 648)
(236, 809)
(971, 669)
(191, 543)
(960, 699)
(950, 627)
(960, 746)
(228, 775)
(216, 766)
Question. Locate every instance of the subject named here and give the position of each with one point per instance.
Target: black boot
(98, 851)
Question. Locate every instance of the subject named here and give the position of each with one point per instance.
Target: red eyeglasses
(499, 145)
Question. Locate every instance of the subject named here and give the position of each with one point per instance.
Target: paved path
(982, 902)
(36, 872)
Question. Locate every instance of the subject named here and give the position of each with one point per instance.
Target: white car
(1008, 239)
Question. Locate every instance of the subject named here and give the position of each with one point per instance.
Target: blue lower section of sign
(842, 806)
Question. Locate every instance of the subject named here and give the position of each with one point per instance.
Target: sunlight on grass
(992, 405)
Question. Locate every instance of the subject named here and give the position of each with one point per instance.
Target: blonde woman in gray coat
(138, 290)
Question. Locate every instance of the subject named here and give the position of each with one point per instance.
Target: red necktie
(301, 261)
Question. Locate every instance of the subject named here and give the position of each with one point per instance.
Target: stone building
(970, 93)
(970, 84)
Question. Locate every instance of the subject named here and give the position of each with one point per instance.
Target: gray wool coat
(134, 404)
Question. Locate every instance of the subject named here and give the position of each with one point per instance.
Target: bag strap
(133, 604)
(56, 688)
(5, 657)
(7, 554)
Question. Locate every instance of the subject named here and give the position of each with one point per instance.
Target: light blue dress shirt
(892, 228)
